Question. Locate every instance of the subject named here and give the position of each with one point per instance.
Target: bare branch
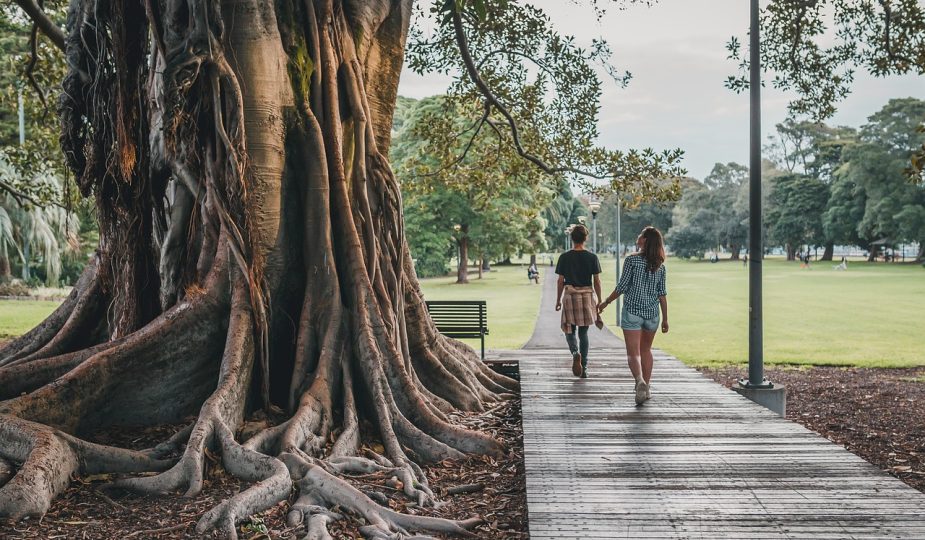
(38, 16)
(473, 72)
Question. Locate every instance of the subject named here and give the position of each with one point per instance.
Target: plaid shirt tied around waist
(579, 307)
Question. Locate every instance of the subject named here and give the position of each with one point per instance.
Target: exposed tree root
(46, 460)
(320, 488)
(75, 319)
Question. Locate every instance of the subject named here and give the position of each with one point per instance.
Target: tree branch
(20, 197)
(887, 41)
(491, 98)
(41, 20)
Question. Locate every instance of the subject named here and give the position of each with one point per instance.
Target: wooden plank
(697, 461)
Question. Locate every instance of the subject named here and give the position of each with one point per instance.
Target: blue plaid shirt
(641, 288)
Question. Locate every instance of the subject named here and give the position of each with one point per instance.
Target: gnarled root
(48, 458)
(318, 487)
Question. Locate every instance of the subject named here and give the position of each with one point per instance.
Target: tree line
(823, 186)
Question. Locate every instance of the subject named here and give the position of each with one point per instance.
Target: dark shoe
(576, 364)
(584, 373)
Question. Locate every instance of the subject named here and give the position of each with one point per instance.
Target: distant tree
(632, 219)
(33, 233)
(492, 195)
(561, 212)
(873, 171)
(815, 150)
(693, 223)
(815, 48)
(794, 215)
(37, 77)
(713, 212)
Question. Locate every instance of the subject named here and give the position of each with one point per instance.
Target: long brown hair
(654, 249)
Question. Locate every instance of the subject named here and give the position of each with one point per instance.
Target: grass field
(18, 316)
(513, 302)
(870, 315)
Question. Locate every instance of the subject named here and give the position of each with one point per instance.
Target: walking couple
(642, 285)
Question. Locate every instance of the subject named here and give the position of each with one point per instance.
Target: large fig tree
(252, 255)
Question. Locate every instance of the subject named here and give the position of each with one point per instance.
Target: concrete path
(697, 461)
(547, 334)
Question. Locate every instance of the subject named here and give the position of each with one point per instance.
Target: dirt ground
(878, 414)
(496, 492)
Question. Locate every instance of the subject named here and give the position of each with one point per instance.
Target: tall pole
(755, 337)
(594, 229)
(22, 120)
(618, 254)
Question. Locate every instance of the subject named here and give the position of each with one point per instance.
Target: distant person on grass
(576, 299)
(533, 273)
(643, 286)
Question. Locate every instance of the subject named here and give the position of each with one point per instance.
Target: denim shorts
(628, 321)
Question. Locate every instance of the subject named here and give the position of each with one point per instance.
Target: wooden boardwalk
(696, 461)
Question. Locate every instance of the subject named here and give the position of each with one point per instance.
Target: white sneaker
(641, 390)
(648, 392)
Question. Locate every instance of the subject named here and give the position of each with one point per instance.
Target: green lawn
(868, 316)
(513, 302)
(18, 316)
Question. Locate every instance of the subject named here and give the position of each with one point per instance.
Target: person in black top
(577, 294)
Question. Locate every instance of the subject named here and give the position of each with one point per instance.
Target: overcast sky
(676, 53)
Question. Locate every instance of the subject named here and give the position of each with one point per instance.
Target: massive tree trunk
(252, 255)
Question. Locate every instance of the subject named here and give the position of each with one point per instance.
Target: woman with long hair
(642, 285)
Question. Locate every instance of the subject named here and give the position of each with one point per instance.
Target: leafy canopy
(537, 90)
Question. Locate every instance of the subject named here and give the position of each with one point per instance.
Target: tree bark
(828, 252)
(734, 252)
(238, 163)
(462, 269)
(6, 271)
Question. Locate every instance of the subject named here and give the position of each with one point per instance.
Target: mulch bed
(878, 414)
(496, 492)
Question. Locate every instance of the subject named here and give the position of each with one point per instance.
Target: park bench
(460, 318)
(467, 319)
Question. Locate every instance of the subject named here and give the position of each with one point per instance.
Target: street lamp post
(594, 206)
(755, 322)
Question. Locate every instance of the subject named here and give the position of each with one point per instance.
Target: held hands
(602, 306)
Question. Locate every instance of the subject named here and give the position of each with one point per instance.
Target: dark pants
(581, 346)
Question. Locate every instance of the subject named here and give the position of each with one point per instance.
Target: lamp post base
(769, 395)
